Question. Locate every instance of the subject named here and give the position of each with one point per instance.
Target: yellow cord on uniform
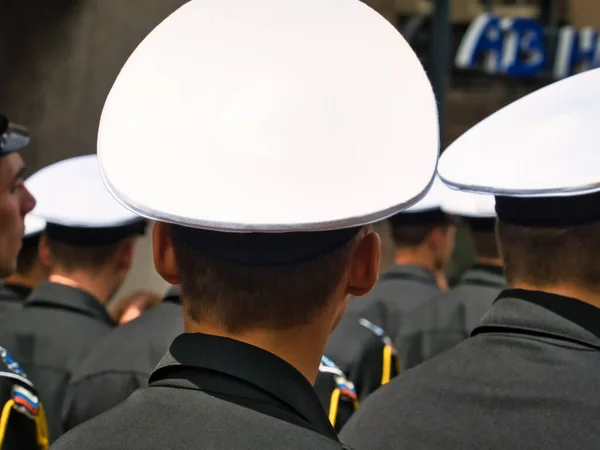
(4, 419)
(41, 426)
(333, 406)
(387, 364)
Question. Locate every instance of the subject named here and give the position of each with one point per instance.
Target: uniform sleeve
(336, 394)
(23, 424)
(378, 362)
(341, 407)
(91, 396)
(377, 366)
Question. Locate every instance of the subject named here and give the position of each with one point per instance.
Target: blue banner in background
(516, 47)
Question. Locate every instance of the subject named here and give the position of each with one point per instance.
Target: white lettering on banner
(515, 47)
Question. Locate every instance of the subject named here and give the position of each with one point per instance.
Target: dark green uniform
(364, 353)
(203, 386)
(400, 290)
(122, 362)
(527, 378)
(50, 336)
(12, 297)
(444, 321)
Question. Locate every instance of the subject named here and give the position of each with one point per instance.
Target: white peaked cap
(270, 116)
(33, 225)
(546, 143)
(432, 200)
(71, 193)
(468, 204)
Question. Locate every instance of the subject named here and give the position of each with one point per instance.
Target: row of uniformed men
(424, 237)
(245, 127)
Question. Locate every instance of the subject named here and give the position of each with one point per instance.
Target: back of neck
(420, 258)
(282, 343)
(414, 257)
(95, 287)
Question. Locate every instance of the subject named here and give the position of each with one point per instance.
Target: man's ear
(164, 256)
(44, 252)
(364, 265)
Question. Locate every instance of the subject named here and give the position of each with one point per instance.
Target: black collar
(226, 359)
(173, 295)
(484, 275)
(541, 313)
(15, 292)
(55, 295)
(409, 272)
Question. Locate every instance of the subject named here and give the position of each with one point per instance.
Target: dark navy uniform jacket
(526, 379)
(122, 361)
(400, 290)
(12, 297)
(50, 336)
(213, 393)
(364, 353)
(336, 393)
(449, 318)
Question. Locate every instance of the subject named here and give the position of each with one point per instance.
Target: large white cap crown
(272, 116)
(546, 143)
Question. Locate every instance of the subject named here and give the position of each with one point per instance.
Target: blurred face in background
(15, 203)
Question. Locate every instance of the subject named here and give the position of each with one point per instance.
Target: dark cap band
(265, 249)
(549, 211)
(84, 237)
(480, 224)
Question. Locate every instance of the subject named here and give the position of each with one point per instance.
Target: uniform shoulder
(409, 388)
(136, 344)
(9, 368)
(104, 355)
(328, 370)
(11, 299)
(17, 387)
(146, 415)
(376, 333)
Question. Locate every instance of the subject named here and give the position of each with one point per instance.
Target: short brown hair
(90, 257)
(549, 255)
(485, 243)
(245, 297)
(413, 235)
